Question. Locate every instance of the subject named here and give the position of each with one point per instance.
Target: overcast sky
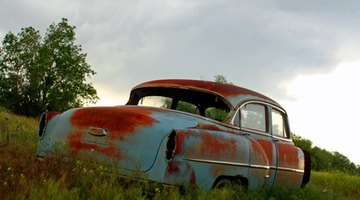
(304, 54)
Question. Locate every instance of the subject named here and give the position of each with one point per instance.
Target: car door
(254, 123)
(290, 158)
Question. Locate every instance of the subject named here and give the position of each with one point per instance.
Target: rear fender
(307, 171)
(197, 156)
(44, 120)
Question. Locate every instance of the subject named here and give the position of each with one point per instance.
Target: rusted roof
(234, 94)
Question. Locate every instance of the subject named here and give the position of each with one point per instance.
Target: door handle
(245, 133)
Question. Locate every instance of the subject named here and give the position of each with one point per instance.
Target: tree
(323, 160)
(221, 79)
(50, 74)
(301, 142)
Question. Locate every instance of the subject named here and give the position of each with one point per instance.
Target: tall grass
(22, 176)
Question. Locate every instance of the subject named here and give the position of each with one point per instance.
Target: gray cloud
(256, 44)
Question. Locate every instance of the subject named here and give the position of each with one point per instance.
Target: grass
(22, 176)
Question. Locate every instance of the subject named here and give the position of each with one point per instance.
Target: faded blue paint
(205, 149)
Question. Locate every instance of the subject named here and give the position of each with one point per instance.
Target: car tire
(236, 184)
(224, 183)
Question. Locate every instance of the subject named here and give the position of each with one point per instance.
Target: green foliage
(216, 113)
(49, 74)
(323, 160)
(22, 176)
(336, 182)
(303, 143)
(221, 79)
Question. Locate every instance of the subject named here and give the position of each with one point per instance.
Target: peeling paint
(78, 145)
(288, 155)
(174, 147)
(181, 173)
(225, 90)
(120, 121)
(215, 146)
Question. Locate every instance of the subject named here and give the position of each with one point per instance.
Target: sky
(303, 54)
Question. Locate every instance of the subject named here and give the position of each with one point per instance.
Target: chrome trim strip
(260, 166)
(291, 169)
(218, 162)
(230, 163)
(245, 165)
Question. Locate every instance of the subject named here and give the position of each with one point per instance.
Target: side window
(216, 113)
(187, 107)
(278, 124)
(253, 116)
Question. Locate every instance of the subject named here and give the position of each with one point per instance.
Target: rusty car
(184, 132)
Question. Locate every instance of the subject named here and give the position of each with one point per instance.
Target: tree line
(323, 160)
(39, 74)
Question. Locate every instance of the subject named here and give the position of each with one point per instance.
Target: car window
(253, 116)
(194, 102)
(216, 113)
(187, 107)
(278, 124)
(155, 101)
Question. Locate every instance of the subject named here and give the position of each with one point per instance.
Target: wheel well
(235, 179)
(307, 170)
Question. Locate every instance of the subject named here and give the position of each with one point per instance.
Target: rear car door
(254, 122)
(290, 159)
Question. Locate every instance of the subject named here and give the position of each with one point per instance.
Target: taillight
(42, 124)
(170, 146)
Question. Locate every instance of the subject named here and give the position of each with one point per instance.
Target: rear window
(155, 101)
(186, 100)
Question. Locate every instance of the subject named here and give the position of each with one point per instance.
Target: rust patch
(289, 179)
(179, 142)
(288, 155)
(118, 120)
(258, 153)
(215, 145)
(50, 115)
(225, 90)
(77, 144)
(208, 127)
(268, 148)
(180, 172)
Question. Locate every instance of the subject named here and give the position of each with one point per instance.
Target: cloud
(325, 108)
(252, 43)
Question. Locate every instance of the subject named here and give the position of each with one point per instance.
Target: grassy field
(22, 176)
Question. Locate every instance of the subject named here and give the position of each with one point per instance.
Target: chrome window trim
(232, 120)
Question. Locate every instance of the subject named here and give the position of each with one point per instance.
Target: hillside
(22, 176)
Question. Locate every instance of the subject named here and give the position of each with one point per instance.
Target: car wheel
(224, 183)
(235, 184)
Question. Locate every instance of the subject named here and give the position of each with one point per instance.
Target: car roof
(232, 93)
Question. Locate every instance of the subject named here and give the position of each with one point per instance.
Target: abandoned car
(184, 132)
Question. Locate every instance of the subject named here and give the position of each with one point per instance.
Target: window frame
(236, 120)
(266, 115)
(286, 127)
